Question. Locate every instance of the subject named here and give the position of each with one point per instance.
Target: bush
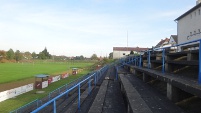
(4, 61)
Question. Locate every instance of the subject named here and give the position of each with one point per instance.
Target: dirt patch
(15, 84)
(12, 85)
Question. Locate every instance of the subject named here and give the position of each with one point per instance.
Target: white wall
(172, 41)
(119, 54)
(189, 24)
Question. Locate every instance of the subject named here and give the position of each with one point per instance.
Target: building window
(199, 31)
(194, 32)
(195, 13)
(190, 33)
(199, 11)
(191, 16)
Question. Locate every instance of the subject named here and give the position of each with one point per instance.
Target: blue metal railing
(36, 103)
(96, 77)
(136, 59)
(56, 92)
(66, 86)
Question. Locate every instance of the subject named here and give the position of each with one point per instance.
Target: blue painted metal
(55, 109)
(66, 92)
(89, 87)
(163, 61)
(149, 61)
(135, 60)
(95, 79)
(19, 109)
(116, 73)
(140, 61)
(163, 67)
(37, 104)
(49, 96)
(79, 96)
(178, 44)
(199, 76)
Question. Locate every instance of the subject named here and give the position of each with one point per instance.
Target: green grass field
(17, 71)
(22, 71)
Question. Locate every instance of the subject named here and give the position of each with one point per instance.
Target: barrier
(15, 92)
(34, 104)
(96, 77)
(138, 58)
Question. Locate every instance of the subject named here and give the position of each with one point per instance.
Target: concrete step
(74, 107)
(99, 100)
(134, 100)
(156, 102)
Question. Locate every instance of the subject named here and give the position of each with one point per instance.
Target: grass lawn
(28, 70)
(18, 71)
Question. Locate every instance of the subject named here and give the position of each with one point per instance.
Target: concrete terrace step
(99, 100)
(109, 98)
(156, 102)
(114, 102)
(135, 102)
(186, 84)
(74, 107)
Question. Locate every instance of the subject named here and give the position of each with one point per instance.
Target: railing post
(66, 86)
(101, 73)
(66, 95)
(148, 59)
(199, 78)
(116, 73)
(55, 109)
(79, 96)
(135, 60)
(97, 75)
(89, 85)
(163, 65)
(140, 61)
(49, 95)
(95, 79)
(37, 104)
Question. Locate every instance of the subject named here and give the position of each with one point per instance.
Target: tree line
(10, 55)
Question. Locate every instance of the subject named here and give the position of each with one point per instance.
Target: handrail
(179, 44)
(36, 100)
(49, 95)
(163, 56)
(66, 92)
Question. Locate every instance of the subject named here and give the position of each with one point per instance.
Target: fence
(96, 77)
(54, 94)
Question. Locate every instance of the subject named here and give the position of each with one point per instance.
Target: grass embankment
(14, 103)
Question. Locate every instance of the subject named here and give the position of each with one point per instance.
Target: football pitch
(10, 72)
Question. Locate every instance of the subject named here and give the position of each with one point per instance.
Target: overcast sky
(84, 27)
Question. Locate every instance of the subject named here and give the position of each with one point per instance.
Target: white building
(163, 43)
(119, 52)
(189, 24)
(173, 40)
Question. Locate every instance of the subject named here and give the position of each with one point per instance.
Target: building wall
(188, 25)
(119, 54)
(172, 41)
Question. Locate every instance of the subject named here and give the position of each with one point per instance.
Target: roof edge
(186, 13)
